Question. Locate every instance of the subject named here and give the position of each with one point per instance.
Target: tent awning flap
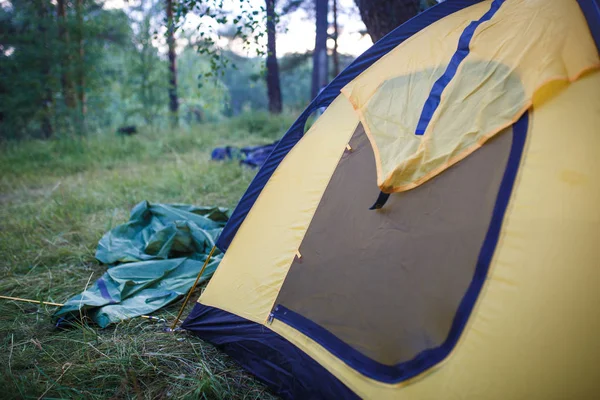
(510, 57)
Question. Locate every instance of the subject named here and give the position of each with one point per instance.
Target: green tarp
(153, 260)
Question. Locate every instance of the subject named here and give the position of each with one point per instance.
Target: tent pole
(193, 287)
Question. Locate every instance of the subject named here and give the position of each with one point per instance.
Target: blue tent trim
(287, 370)
(462, 51)
(428, 358)
(296, 131)
(591, 11)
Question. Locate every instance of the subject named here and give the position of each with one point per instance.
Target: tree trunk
(273, 86)
(383, 16)
(336, 56)
(320, 64)
(80, 63)
(47, 99)
(173, 100)
(63, 35)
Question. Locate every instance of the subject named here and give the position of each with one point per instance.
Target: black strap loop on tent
(380, 202)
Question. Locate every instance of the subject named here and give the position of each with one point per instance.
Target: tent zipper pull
(272, 315)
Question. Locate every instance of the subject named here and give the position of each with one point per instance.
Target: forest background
(79, 67)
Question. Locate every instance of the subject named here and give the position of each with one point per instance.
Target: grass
(57, 198)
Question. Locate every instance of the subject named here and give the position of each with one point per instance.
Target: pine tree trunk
(47, 98)
(63, 35)
(320, 63)
(173, 100)
(80, 63)
(336, 56)
(383, 16)
(273, 85)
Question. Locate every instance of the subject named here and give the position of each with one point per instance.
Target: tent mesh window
(388, 283)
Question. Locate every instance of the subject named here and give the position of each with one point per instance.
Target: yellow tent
(436, 233)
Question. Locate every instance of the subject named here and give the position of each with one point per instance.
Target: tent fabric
(133, 289)
(417, 257)
(255, 156)
(502, 59)
(288, 371)
(325, 98)
(252, 156)
(526, 325)
(591, 10)
(541, 286)
(161, 250)
(162, 231)
(464, 42)
(289, 202)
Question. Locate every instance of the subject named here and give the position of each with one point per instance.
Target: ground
(57, 198)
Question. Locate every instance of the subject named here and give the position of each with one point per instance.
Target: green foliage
(200, 103)
(246, 21)
(126, 72)
(245, 85)
(57, 198)
(262, 124)
(143, 87)
(30, 82)
(27, 67)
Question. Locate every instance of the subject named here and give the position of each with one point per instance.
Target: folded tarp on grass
(160, 250)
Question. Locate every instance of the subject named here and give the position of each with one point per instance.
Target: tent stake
(193, 287)
(48, 303)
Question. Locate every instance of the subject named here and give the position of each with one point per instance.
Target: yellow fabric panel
(403, 78)
(256, 263)
(428, 50)
(526, 44)
(534, 332)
